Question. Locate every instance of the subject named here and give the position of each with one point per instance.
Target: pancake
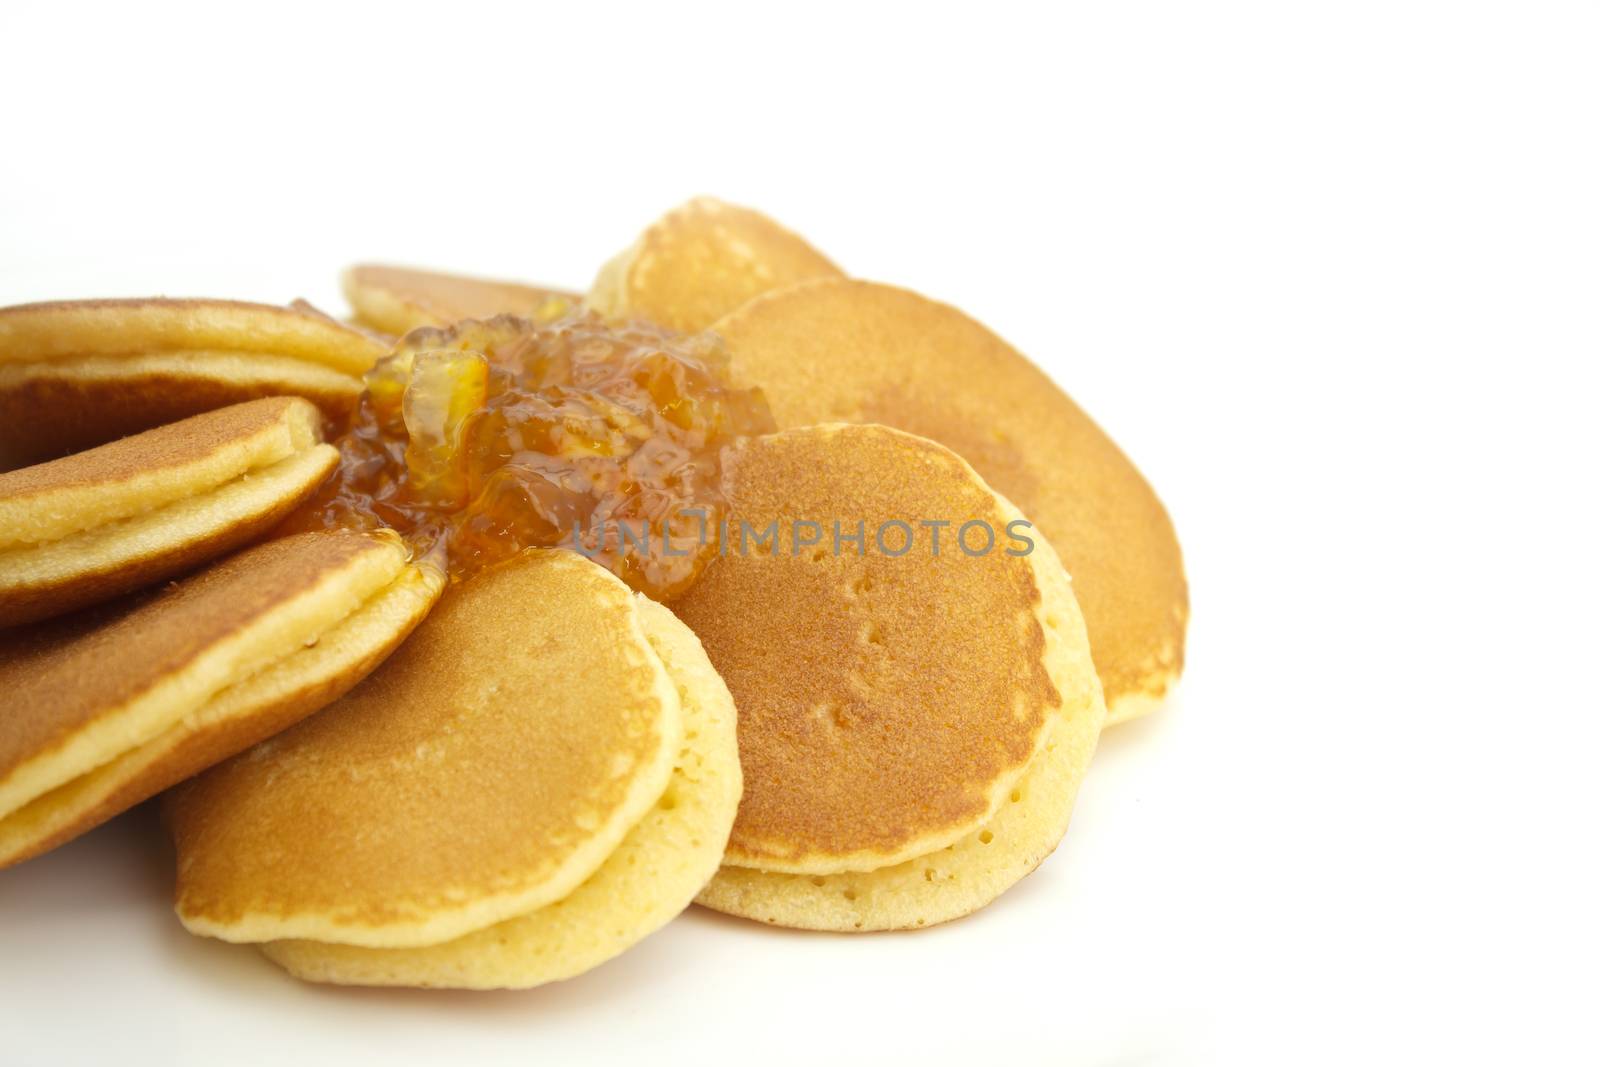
(651, 877)
(889, 702)
(877, 691)
(853, 351)
(108, 707)
(87, 527)
(75, 374)
(397, 300)
(700, 261)
(491, 766)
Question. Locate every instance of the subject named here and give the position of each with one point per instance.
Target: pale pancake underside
(652, 876)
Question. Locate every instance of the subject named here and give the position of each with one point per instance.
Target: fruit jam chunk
(482, 439)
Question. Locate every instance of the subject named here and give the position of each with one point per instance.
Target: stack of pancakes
(516, 796)
(913, 721)
(935, 584)
(113, 685)
(113, 519)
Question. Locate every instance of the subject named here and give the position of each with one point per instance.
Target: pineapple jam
(487, 437)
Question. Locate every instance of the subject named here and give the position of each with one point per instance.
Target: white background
(1329, 272)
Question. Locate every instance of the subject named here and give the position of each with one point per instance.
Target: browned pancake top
(863, 352)
(59, 329)
(880, 699)
(65, 675)
(172, 446)
(496, 742)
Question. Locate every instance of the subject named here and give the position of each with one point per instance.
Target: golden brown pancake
(890, 696)
(491, 766)
(652, 876)
(862, 352)
(75, 374)
(105, 708)
(90, 526)
(701, 261)
(397, 300)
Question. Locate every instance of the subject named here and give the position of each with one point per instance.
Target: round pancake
(650, 878)
(85, 690)
(239, 716)
(397, 300)
(76, 374)
(861, 352)
(90, 526)
(488, 768)
(887, 703)
(700, 261)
